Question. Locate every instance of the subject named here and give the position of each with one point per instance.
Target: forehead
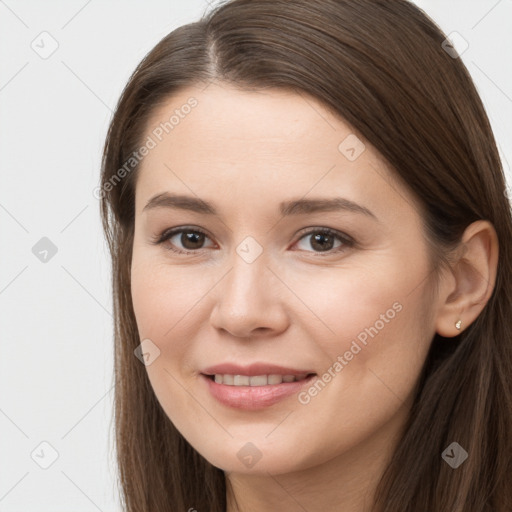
(223, 114)
(273, 142)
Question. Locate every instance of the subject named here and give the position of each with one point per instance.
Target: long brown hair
(380, 65)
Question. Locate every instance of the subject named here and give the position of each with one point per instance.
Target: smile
(255, 380)
(255, 391)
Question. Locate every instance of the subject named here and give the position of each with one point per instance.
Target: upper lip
(253, 369)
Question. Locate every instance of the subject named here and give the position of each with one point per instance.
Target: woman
(311, 253)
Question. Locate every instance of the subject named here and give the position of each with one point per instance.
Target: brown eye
(325, 240)
(183, 240)
(191, 240)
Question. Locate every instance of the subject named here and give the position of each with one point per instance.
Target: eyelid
(319, 229)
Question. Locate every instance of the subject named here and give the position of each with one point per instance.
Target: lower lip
(254, 397)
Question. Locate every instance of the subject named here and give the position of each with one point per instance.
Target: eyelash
(345, 239)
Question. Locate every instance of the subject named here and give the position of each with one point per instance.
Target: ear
(470, 283)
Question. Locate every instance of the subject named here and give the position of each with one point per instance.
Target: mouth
(229, 379)
(252, 392)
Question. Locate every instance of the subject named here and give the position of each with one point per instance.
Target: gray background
(56, 323)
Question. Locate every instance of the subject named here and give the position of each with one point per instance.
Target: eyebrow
(294, 207)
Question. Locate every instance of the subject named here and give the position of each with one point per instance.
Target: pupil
(192, 238)
(322, 246)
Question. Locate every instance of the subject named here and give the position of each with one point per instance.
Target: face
(279, 280)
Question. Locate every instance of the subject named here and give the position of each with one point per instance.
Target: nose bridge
(248, 273)
(247, 299)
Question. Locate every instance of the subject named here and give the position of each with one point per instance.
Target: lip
(254, 369)
(253, 397)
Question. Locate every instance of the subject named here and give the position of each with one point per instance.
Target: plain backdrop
(63, 65)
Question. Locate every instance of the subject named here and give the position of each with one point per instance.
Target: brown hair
(380, 65)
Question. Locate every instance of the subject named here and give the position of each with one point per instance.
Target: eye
(323, 240)
(190, 239)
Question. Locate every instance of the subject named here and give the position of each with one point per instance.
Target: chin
(255, 457)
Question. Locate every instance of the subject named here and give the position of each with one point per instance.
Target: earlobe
(474, 272)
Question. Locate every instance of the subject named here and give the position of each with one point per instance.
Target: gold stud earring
(458, 324)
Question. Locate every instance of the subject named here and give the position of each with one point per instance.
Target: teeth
(275, 379)
(241, 380)
(256, 380)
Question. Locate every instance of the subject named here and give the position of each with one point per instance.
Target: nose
(249, 300)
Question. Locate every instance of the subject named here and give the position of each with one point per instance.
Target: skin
(245, 152)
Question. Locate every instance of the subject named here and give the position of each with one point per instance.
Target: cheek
(373, 330)
(163, 296)
(359, 303)
(163, 302)
(376, 335)
(370, 371)
(171, 308)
